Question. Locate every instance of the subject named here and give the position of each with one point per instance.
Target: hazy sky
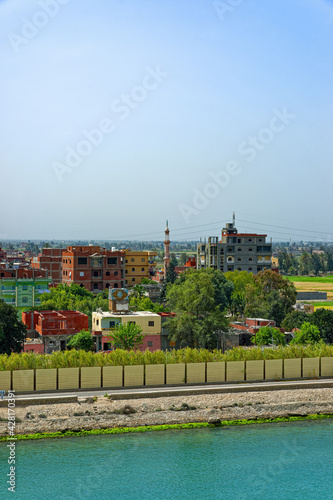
(119, 114)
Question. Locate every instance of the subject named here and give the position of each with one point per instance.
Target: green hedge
(73, 358)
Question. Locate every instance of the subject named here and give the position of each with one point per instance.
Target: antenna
(233, 218)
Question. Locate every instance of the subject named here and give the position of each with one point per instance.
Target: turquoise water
(269, 461)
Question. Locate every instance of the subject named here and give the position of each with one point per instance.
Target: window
(133, 269)
(250, 268)
(150, 323)
(66, 261)
(250, 240)
(81, 273)
(107, 285)
(115, 285)
(132, 259)
(142, 269)
(2, 275)
(250, 249)
(115, 273)
(126, 271)
(239, 269)
(112, 261)
(239, 258)
(107, 273)
(250, 258)
(239, 240)
(97, 322)
(150, 343)
(133, 279)
(239, 249)
(13, 287)
(25, 299)
(38, 287)
(131, 322)
(143, 259)
(112, 324)
(95, 273)
(25, 287)
(82, 261)
(95, 286)
(63, 272)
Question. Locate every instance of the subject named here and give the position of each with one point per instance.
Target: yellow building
(138, 265)
(103, 322)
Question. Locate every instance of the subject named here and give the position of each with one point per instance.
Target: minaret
(166, 249)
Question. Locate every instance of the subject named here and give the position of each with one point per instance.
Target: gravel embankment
(105, 413)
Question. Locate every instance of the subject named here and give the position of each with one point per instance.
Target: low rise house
(103, 322)
(54, 328)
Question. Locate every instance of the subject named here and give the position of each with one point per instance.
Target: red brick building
(3, 254)
(55, 328)
(22, 272)
(252, 325)
(50, 259)
(93, 267)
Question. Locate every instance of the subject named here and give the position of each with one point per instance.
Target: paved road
(131, 393)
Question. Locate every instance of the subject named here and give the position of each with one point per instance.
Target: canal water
(268, 461)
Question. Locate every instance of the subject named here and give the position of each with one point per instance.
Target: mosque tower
(166, 249)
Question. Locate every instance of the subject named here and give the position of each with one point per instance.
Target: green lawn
(311, 279)
(327, 303)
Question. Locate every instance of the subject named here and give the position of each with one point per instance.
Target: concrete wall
(160, 374)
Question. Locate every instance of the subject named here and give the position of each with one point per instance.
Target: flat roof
(109, 314)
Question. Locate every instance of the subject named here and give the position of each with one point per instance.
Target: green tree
(240, 280)
(145, 304)
(126, 336)
(183, 258)
(82, 340)
(269, 335)
(138, 291)
(305, 263)
(73, 298)
(12, 330)
(323, 320)
(171, 277)
(199, 300)
(269, 296)
(295, 319)
(309, 334)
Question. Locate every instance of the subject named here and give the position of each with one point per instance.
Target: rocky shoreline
(103, 412)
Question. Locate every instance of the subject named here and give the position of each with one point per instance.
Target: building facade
(54, 328)
(50, 259)
(139, 265)
(23, 292)
(93, 267)
(103, 322)
(235, 251)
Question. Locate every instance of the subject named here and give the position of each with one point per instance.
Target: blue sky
(203, 108)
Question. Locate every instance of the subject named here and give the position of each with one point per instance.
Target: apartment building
(93, 267)
(139, 265)
(235, 251)
(50, 259)
(23, 292)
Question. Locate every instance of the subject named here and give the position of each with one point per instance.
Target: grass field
(311, 279)
(317, 304)
(314, 284)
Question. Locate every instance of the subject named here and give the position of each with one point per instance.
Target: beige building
(104, 321)
(138, 265)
